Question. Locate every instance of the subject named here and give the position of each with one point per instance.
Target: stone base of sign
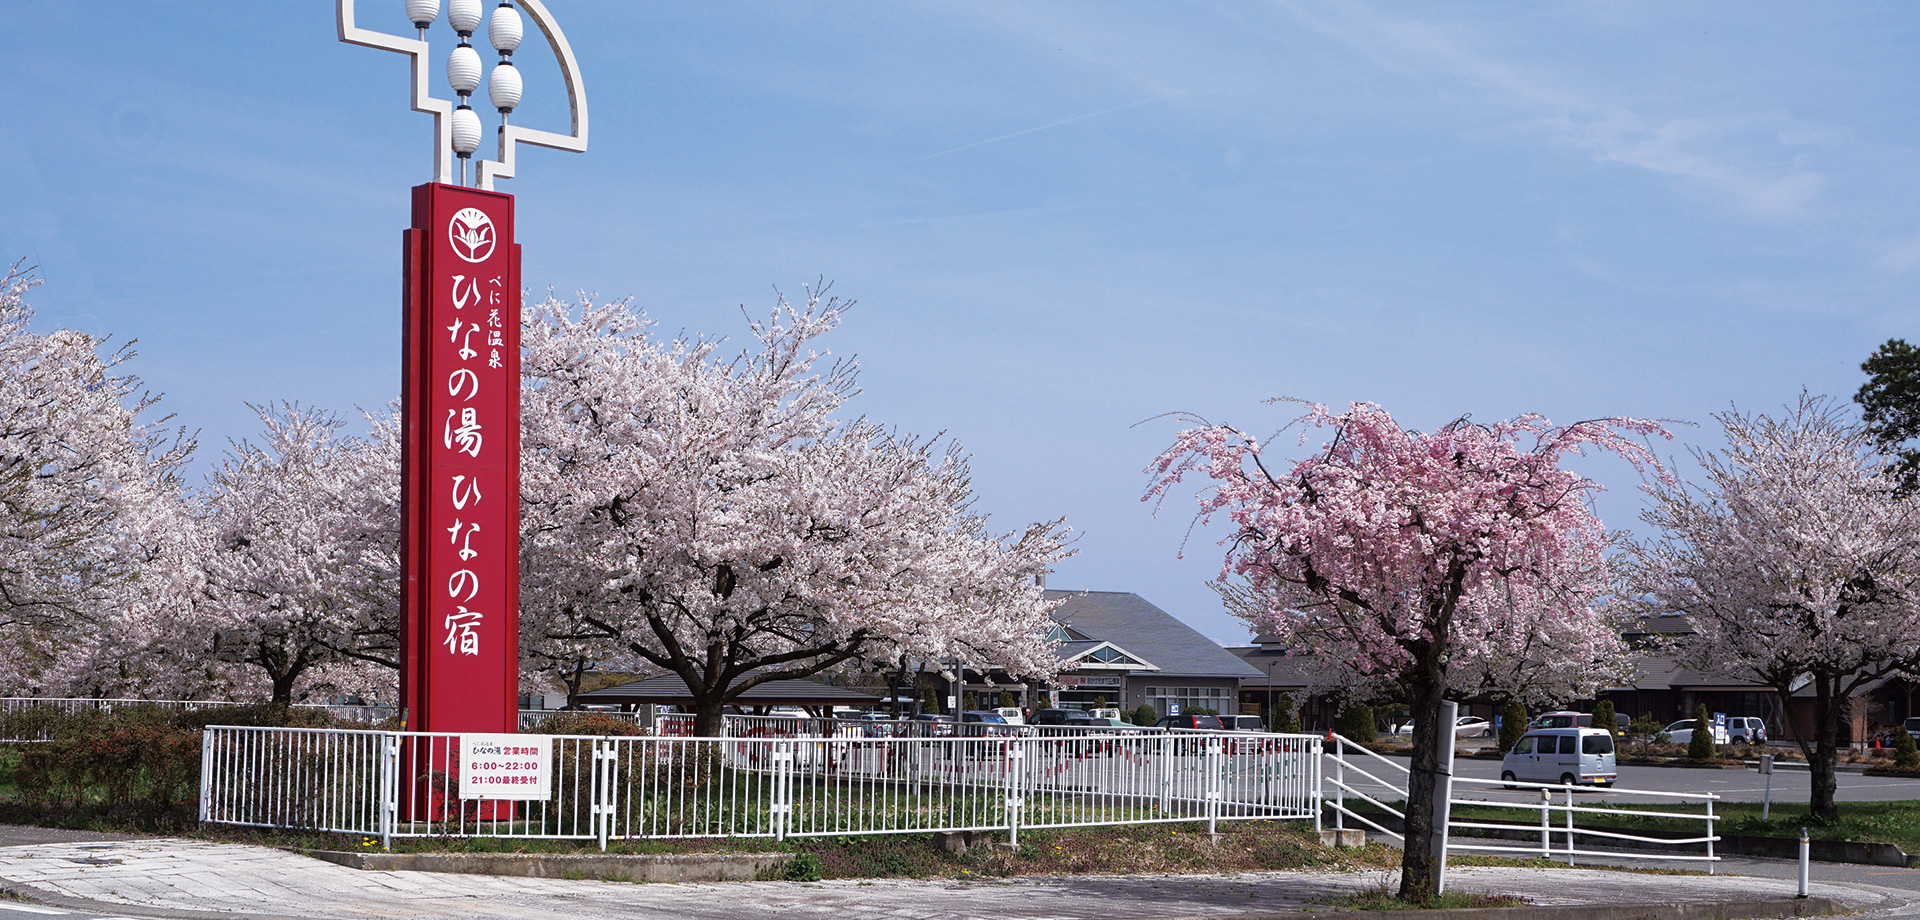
(957, 842)
(1343, 838)
(661, 867)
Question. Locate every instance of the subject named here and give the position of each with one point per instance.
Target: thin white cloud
(1038, 128)
(1727, 155)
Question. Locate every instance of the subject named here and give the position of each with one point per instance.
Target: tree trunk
(1828, 702)
(709, 717)
(283, 687)
(1823, 749)
(1419, 871)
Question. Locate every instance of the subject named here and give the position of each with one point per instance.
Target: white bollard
(1766, 802)
(1806, 856)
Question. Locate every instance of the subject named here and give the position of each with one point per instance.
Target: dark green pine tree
(1890, 405)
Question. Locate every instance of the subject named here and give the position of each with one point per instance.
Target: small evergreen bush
(1604, 717)
(1356, 723)
(1283, 719)
(1513, 724)
(1906, 755)
(1700, 746)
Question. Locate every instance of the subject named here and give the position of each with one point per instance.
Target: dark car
(928, 724)
(1054, 716)
(977, 723)
(1207, 722)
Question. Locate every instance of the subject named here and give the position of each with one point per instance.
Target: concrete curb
(658, 867)
(1706, 910)
(36, 895)
(1665, 910)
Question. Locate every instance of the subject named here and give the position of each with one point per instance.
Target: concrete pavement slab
(198, 876)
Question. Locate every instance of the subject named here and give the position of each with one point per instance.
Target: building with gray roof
(1128, 652)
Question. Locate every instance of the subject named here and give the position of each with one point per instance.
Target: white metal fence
(1355, 774)
(396, 784)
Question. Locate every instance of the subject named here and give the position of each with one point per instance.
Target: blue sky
(1059, 219)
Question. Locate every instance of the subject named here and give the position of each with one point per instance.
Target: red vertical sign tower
(460, 461)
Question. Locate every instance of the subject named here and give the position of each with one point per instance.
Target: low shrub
(135, 765)
(1700, 743)
(1513, 724)
(1906, 755)
(587, 723)
(1356, 723)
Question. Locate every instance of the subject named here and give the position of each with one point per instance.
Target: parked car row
(1736, 729)
(1463, 727)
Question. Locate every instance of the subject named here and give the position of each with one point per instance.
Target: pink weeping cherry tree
(1416, 561)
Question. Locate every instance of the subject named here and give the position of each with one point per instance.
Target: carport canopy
(669, 689)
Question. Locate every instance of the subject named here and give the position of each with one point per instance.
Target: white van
(1567, 756)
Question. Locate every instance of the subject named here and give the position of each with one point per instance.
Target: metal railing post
(206, 774)
(1016, 788)
(1166, 772)
(1315, 792)
(782, 792)
(1546, 823)
(389, 797)
(1806, 852)
(1710, 835)
(1569, 826)
(1216, 769)
(604, 756)
(1339, 783)
(1443, 793)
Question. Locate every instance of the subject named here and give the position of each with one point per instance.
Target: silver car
(1569, 756)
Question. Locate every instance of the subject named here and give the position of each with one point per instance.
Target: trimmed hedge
(137, 763)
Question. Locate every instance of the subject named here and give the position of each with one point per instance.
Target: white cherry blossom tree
(707, 515)
(1424, 565)
(88, 481)
(1797, 565)
(301, 547)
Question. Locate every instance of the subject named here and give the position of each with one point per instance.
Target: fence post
(1546, 823)
(1339, 782)
(1314, 791)
(1166, 771)
(601, 794)
(782, 805)
(1443, 793)
(389, 788)
(1806, 850)
(1711, 833)
(1569, 826)
(1216, 770)
(206, 774)
(1016, 787)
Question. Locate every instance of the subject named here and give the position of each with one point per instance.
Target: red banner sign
(460, 463)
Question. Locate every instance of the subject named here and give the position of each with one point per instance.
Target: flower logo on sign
(471, 233)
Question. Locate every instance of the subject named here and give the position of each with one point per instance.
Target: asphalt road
(13, 910)
(1789, 784)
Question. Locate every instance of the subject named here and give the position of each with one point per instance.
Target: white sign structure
(518, 767)
(457, 129)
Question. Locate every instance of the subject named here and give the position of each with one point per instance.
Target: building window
(1163, 699)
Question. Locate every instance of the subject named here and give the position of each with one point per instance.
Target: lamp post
(1270, 716)
(460, 383)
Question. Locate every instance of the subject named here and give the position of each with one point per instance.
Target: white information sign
(506, 767)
